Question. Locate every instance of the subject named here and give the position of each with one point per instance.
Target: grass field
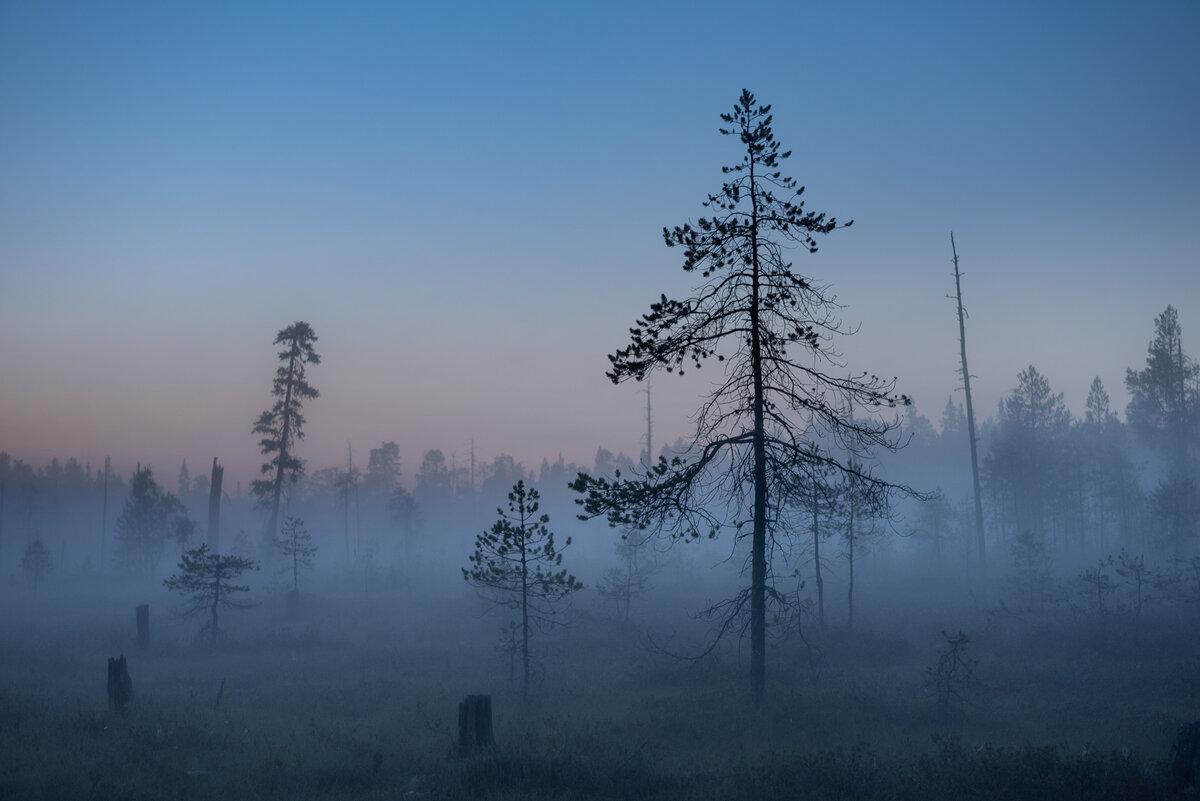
(357, 699)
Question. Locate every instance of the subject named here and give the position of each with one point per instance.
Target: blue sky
(466, 199)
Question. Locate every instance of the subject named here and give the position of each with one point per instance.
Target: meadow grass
(357, 699)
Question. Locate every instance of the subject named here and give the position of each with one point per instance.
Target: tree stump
(475, 724)
(143, 626)
(120, 686)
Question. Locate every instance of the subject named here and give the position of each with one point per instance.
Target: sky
(465, 200)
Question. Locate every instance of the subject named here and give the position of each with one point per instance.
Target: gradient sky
(465, 200)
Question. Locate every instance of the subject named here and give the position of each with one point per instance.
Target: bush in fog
(952, 670)
(36, 562)
(149, 518)
(514, 565)
(1137, 576)
(621, 584)
(1032, 566)
(1098, 586)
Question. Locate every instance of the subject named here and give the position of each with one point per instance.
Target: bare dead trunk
(214, 507)
(966, 374)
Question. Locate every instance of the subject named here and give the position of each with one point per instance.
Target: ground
(357, 698)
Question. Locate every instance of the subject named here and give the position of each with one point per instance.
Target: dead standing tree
(214, 506)
(966, 376)
(783, 388)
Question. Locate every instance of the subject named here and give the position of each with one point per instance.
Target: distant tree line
(1076, 483)
(1072, 484)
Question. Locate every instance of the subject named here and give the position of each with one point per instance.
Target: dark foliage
(283, 424)
(514, 564)
(149, 518)
(783, 402)
(205, 580)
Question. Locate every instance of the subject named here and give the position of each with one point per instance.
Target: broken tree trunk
(475, 724)
(143, 626)
(120, 686)
(214, 507)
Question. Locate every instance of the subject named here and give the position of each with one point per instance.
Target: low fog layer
(1075, 630)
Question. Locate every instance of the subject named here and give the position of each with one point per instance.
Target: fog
(617, 439)
(1066, 652)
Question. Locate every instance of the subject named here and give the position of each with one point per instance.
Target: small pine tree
(295, 543)
(514, 564)
(205, 579)
(629, 580)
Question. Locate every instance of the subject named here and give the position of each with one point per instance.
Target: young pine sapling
(514, 564)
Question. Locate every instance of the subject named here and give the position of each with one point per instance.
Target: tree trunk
(216, 600)
(758, 552)
(284, 433)
(850, 591)
(143, 626)
(475, 725)
(524, 613)
(104, 514)
(214, 507)
(962, 342)
(816, 527)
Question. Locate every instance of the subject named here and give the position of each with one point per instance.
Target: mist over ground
(1067, 657)
(361, 436)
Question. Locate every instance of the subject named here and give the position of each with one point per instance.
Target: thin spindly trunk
(216, 599)
(104, 514)
(1181, 438)
(649, 431)
(346, 501)
(524, 608)
(966, 373)
(850, 591)
(816, 527)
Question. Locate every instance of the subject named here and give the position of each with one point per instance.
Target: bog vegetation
(910, 630)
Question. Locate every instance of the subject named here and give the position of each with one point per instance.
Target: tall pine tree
(283, 424)
(784, 400)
